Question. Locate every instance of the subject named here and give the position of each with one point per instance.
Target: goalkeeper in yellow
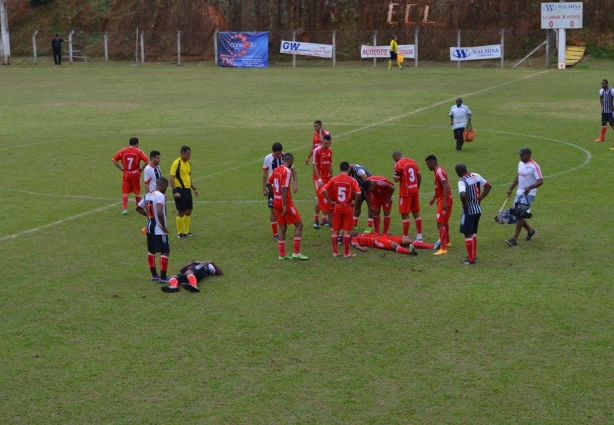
(394, 50)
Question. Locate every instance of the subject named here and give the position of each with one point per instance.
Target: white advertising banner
(561, 15)
(406, 50)
(306, 49)
(475, 53)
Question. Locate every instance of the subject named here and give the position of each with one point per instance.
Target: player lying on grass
(190, 275)
(393, 243)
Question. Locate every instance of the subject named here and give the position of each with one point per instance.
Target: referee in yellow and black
(181, 183)
(394, 50)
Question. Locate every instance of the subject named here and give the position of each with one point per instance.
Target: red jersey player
(318, 136)
(407, 173)
(129, 160)
(400, 244)
(342, 192)
(322, 165)
(285, 211)
(443, 196)
(380, 190)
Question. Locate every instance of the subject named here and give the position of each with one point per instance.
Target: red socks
(274, 228)
(422, 245)
(402, 250)
(192, 280)
(387, 224)
(418, 225)
(376, 222)
(406, 227)
(125, 201)
(335, 249)
(297, 245)
(346, 245)
(472, 247)
(282, 248)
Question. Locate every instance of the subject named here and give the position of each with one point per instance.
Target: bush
(38, 2)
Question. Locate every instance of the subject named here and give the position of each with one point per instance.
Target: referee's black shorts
(393, 56)
(185, 202)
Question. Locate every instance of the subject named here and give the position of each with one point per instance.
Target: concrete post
(34, 49)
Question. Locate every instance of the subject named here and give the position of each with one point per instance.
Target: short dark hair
(57, 35)
(317, 122)
(134, 141)
(184, 149)
(431, 158)
(161, 180)
(288, 156)
(344, 166)
(153, 153)
(277, 147)
(605, 81)
(327, 137)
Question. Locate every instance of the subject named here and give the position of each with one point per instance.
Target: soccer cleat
(335, 254)
(287, 257)
(350, 255)
(368, 230)
(599, 140)
(326, 223)
(511, 242)
(467, 262)
(612, 148)
(418, 239)
(190, 288)
(169, 289)
(316, 225)
(412, 251)
(441, 252)
(475, 260)
(163, 280)
(155, 278)
(436, 245)
(299, 256)
(275, 238)
(449, 244)
(530, 235)
(180, 236)
(189, 235)
(125, 212)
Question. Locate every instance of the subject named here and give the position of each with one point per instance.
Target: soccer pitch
(524, 336)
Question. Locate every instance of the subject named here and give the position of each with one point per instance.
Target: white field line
(64, 220)
(366, 127)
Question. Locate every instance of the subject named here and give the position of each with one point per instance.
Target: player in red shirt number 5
(342, 192)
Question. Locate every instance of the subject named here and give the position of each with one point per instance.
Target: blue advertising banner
(243, 49)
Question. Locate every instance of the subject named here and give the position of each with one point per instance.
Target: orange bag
(469, 133)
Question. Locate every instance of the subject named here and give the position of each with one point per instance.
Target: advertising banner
(406, 50)
(243, 49)
(475, 53)
(306, 49)
(561, 15)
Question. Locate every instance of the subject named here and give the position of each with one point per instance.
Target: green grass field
(525, 336)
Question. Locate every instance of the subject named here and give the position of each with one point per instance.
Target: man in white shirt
(528, 179)
(460, 117)
(152, 171)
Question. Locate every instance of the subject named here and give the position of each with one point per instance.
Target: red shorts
(385, 242)
(441, 217)
(323, 204)
(343, 219)
(378, 202)
(409, 204)
(132, 185)
(292, 215)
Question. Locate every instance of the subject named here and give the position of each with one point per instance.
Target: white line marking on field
(85, 197)
(64, 220)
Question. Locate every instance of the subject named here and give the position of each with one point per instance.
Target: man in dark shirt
(56, 45)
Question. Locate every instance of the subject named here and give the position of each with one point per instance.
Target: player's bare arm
(446, 194)
(284, 200)
(316, 173)
(141, 211)
(328, 198)
(514, 184)
(117, 164)
(484, 194)
(463, 197)
(265, 176)
(419, 179)
(160, 210)
(194, 189)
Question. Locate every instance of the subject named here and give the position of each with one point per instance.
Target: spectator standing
(56, 46)
(460, 116)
